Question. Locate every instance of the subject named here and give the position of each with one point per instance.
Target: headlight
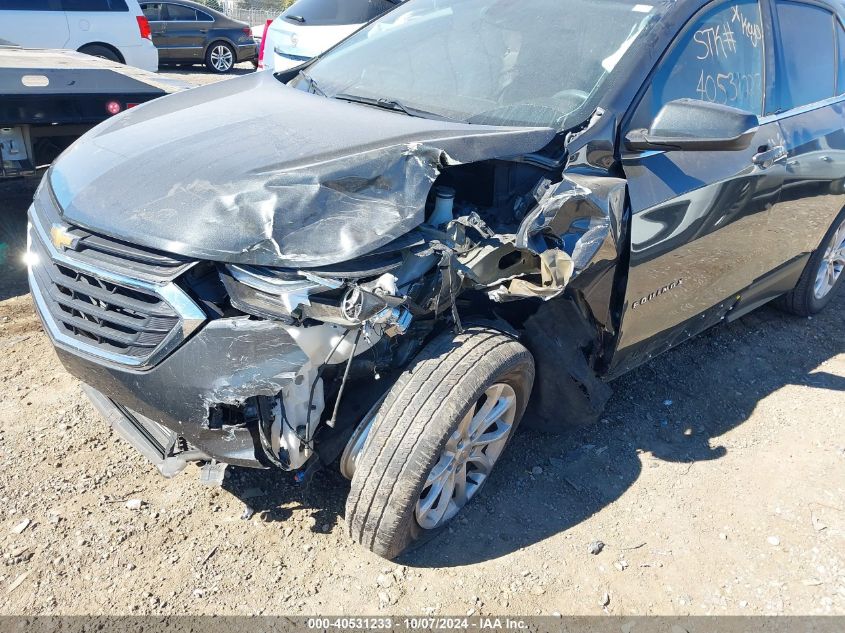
(291, 296)
(270, 293)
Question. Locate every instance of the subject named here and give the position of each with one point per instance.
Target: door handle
(769, 157)
(203, 30)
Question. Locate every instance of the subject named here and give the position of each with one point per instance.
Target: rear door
(33, 23)
(701, 221)
(184, 36)
(809, 105)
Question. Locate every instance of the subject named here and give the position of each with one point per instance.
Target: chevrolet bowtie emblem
(61, 239)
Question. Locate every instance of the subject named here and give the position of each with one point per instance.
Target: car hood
(251, 171)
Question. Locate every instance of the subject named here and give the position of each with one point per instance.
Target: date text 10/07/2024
(417, 624)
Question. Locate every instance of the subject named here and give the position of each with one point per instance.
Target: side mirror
(688, 124)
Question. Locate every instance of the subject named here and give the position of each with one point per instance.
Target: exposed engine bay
(496, 232)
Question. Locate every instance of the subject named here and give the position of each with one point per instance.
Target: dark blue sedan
(186, 32)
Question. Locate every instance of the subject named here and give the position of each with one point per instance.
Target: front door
(185, 35)
(700, 220)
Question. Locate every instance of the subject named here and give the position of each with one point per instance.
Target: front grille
(90, 305)
(118, 255)
(115, 318)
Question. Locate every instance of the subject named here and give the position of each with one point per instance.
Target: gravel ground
(715, 481)
(199, 76)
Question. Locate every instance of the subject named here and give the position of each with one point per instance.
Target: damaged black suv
(467, 209)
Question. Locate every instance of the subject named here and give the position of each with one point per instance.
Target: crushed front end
(254, 316)
(193, 361)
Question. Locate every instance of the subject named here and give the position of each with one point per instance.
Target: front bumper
(226, 362)
(202, 363)
(158, 444)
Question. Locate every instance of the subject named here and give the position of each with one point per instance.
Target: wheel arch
(568, 346)
(111, 47)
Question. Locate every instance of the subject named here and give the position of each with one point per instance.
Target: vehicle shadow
(15, 198)
(237, 71)
(671, 410)
(275, 494)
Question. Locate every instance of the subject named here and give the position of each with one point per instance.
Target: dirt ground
(716, 481)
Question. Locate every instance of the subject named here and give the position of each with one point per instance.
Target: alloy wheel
(468, 457)
(832, 264)
(222, 58)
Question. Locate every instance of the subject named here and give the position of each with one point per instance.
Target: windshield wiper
(312, 84)
(390, 104)
(295, 18)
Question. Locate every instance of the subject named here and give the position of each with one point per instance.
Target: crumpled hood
(251, 171)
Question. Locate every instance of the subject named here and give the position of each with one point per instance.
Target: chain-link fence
(253, 16)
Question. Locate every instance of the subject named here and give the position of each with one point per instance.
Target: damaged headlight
(272, 293)
(291, 296)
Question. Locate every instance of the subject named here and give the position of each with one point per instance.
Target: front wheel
(220, 58)
(436, 438)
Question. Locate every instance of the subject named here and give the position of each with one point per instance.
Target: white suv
(310, 27)
(114, 29)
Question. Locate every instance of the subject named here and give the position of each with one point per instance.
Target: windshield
(495, 62)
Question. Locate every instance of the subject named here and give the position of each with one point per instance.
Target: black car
(466, 210)
(187, 32)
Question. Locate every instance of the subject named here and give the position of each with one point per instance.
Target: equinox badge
(653, 295)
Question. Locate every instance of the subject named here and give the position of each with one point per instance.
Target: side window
(806, 57)
(178, 13)
(204, 17)
(27, 5)
(719, 59)
(152, 11)
(94, 5)
(840, 81)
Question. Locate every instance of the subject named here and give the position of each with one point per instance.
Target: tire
(807, 298)
(104, 52)
(415, 430)
(220, 58)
